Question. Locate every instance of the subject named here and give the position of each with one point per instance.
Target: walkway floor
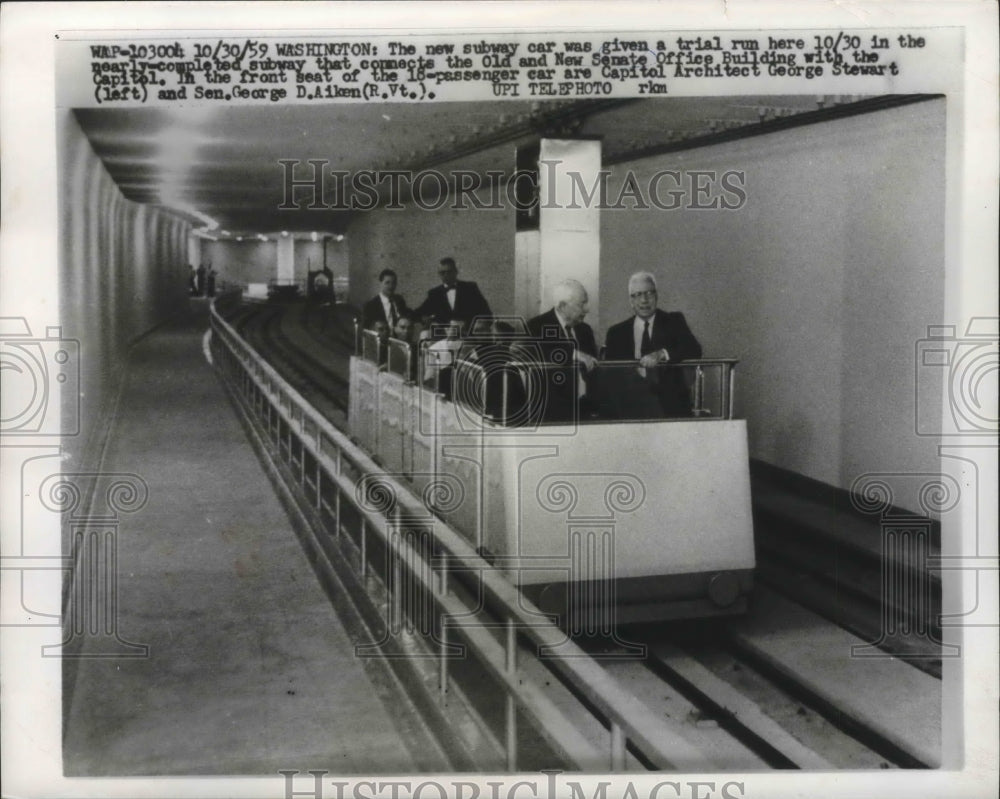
(249, 670)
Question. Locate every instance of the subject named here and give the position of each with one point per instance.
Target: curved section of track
(308, 344)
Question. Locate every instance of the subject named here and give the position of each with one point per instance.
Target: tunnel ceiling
(225, 162)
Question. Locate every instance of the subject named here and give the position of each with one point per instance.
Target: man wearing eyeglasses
(655, 338)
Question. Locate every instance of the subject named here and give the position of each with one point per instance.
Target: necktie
(393, 317)
(645, 345)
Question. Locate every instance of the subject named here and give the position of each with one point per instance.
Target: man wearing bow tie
(386, 306)
(453, 300)
(655, 338)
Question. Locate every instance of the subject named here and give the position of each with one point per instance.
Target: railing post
(731, 372)
(503, 396)
(443, 633)
(319, 480)
(699, 389)
(363, 569)
(336, 510)
(511, 703)
(302, 449)
(396, 548)
(617, 747)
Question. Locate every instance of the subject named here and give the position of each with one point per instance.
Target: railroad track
(747, 695)
(832, 562)
(837, 574)
(750, 702)
(317, 369)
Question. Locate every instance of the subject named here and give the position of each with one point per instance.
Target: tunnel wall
(412, 241)
(242, 261)
(821, 283)
(122, 270)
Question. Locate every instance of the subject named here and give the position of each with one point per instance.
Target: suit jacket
(546, 327)
(670, 332)
(558, 400)
(469, 303)
(373, 310)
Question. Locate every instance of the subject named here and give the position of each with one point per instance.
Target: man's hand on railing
(588, 361)
(651, 359)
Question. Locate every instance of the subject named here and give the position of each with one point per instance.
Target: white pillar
(286, 259)
(567, 241)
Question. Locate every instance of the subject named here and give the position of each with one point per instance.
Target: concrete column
(567, 240)
(286, 259)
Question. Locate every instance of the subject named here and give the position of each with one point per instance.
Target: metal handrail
(400, 364)
(372, 347)
(727, 368)
(629, 719)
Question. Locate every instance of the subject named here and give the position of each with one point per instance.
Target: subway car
(602, 512)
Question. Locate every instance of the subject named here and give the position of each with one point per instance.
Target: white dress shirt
(390, 311)
(638, 325)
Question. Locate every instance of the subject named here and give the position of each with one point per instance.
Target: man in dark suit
(654, 338)
(564, 323)
(386, 306)
(453, 300)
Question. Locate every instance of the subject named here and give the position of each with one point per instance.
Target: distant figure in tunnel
(210, 281)
(201, 280)
(655, 338)
(453, 300)
(386, 306)
(193, 281)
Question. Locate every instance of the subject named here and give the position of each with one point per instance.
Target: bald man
(564, 323)
(565, 320)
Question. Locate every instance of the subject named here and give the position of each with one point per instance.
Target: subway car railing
(505, 392)
(487, 373)
(346, 487)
